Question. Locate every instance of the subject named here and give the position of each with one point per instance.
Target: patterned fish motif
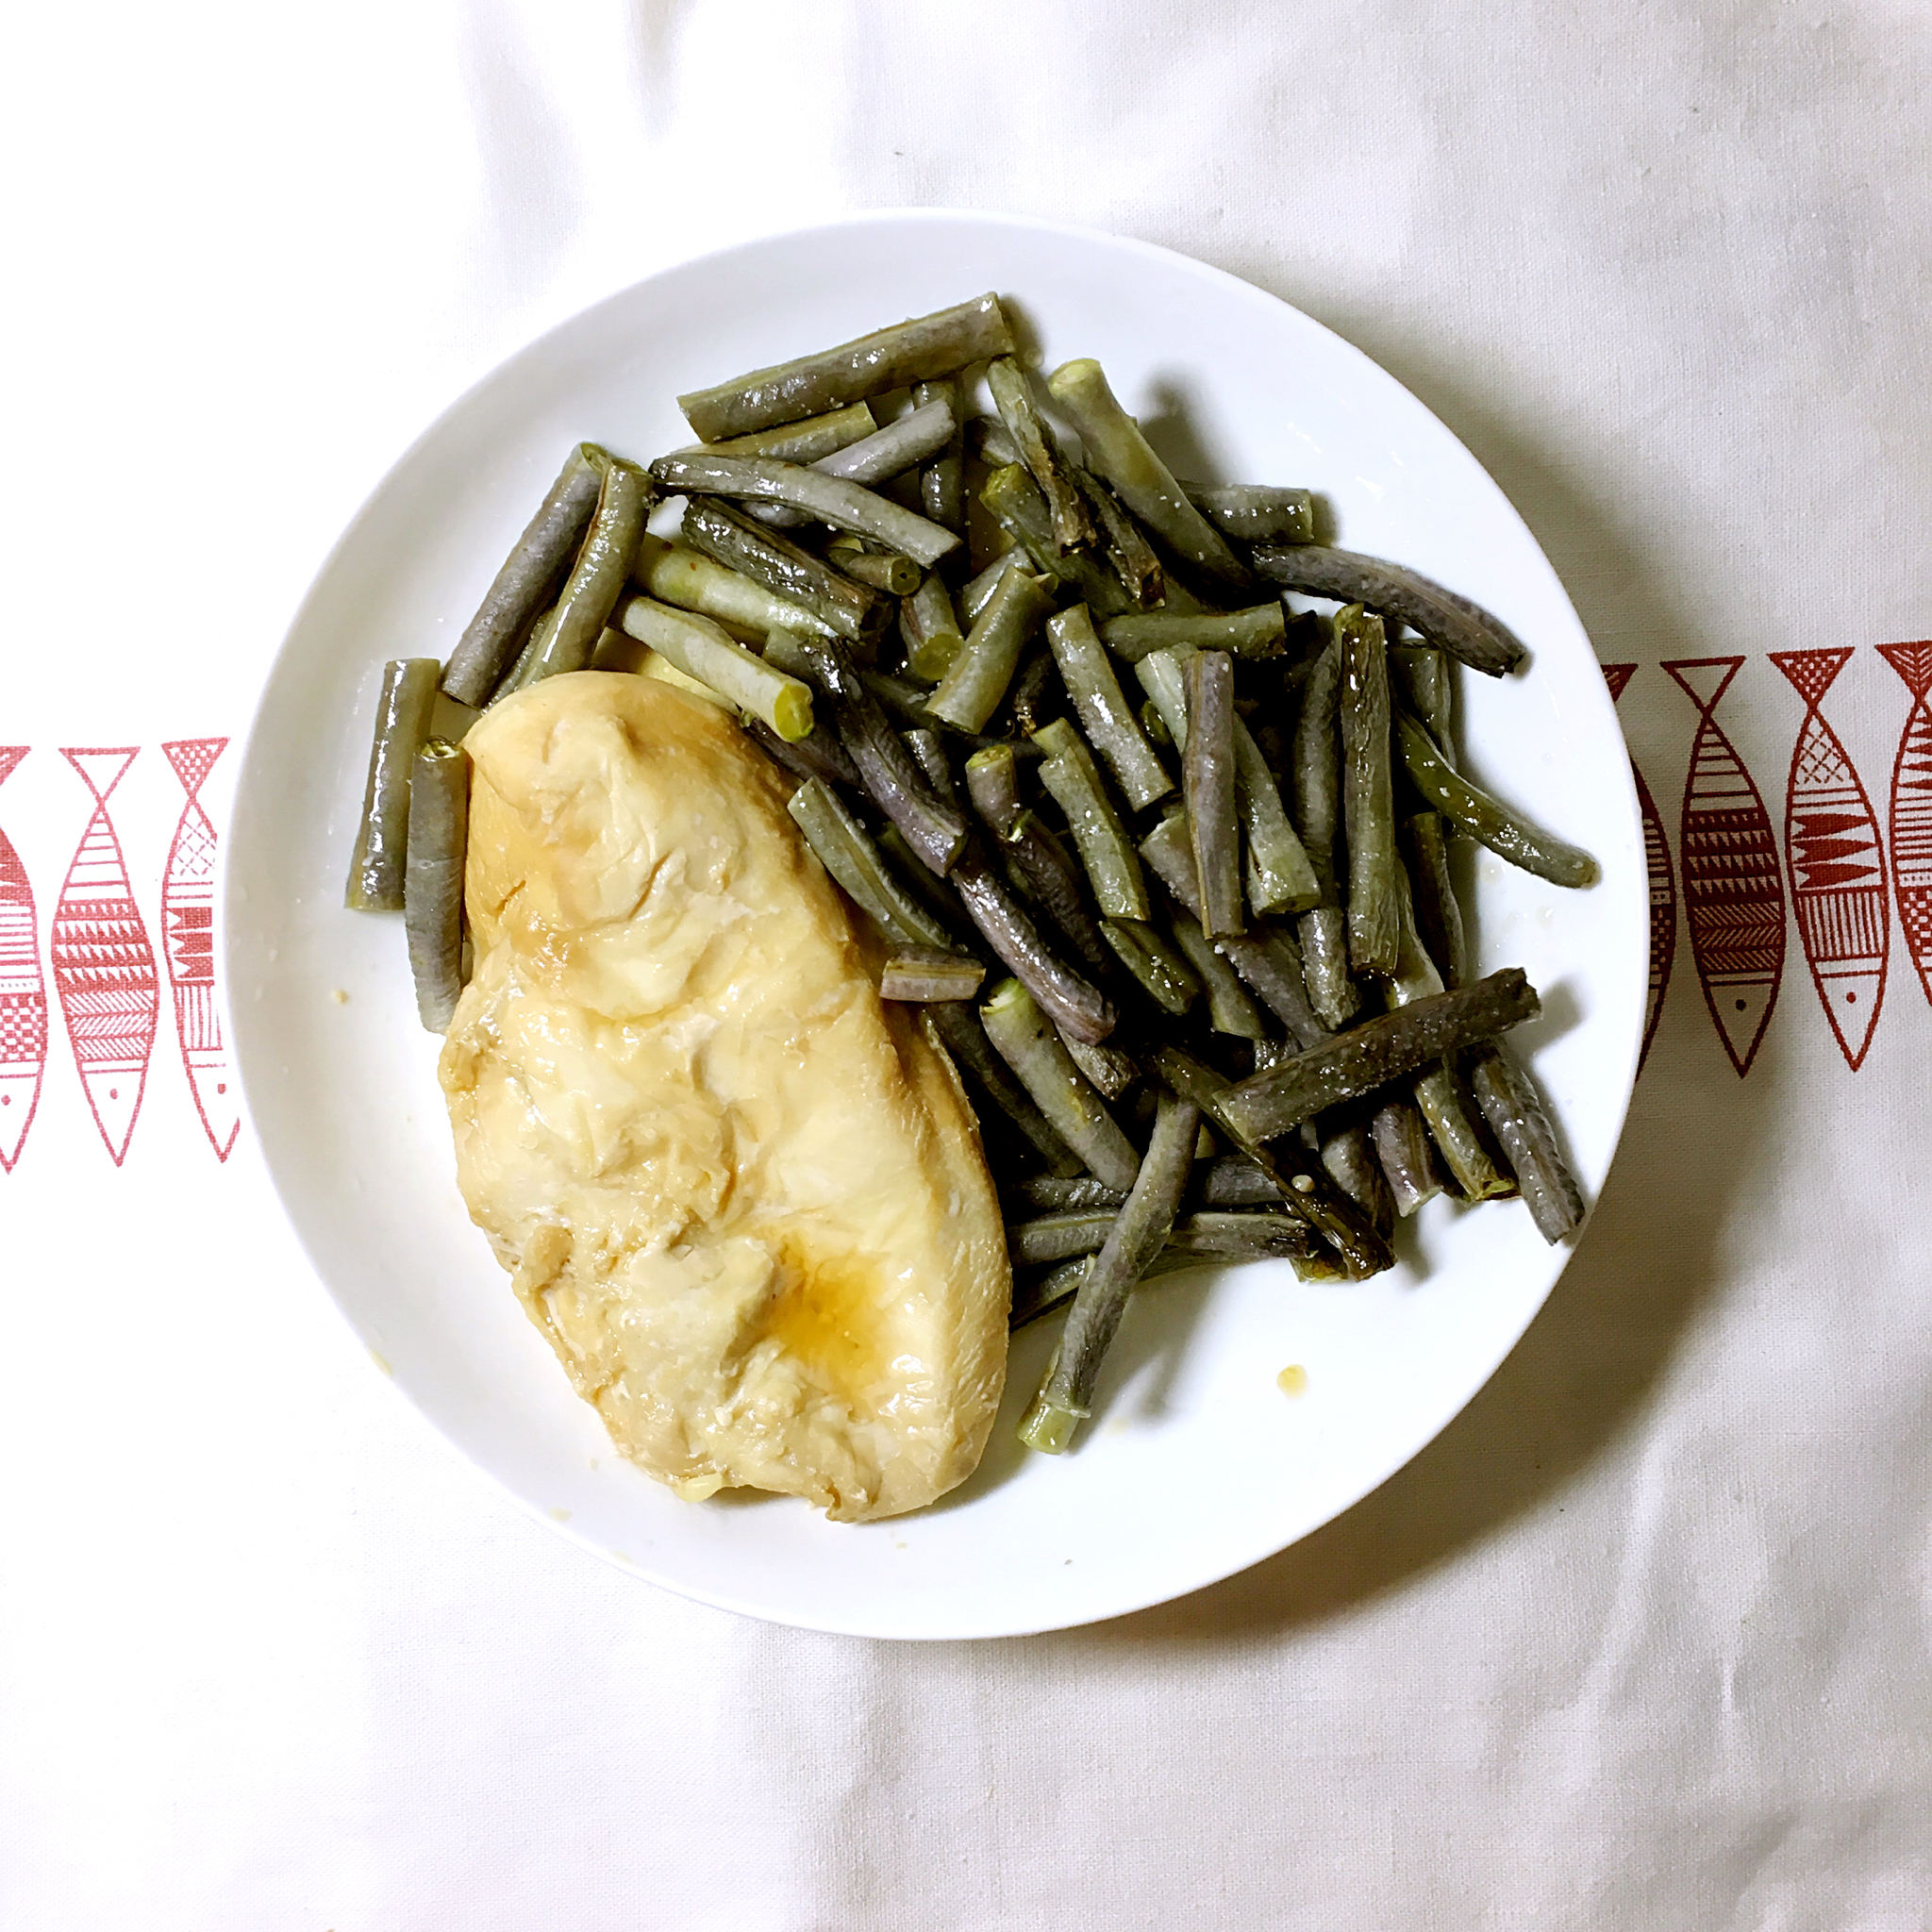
(1734, 891)
(1911, 807)
(22, 993)
(1837, 864)
(187, 938)
(1663, 886)
(104, 965)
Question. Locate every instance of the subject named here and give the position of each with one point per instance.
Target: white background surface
(1642, 1641)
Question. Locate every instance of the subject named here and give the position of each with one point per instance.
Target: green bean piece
(1036, 695)
(1042, 871)
(1266, 1106)
(852, 859)
(1508, 1095)
(1279, 876)
(1105, 850)
(1118, 451)
(887, 453)
(992, 783)
(906, 701)
(1126, 550)
(922, 973)
(913, 873)
(1229, 1008)
(1088, 676)
(382, 835)
(1244, 1237)
(1049, 1238)
(930, 629)
(1271, 963)
(1043, 1293)
(1162, 675)
(1012, 499)
(1438, 1092)
(1073, 1002)
(1161, 969)
(1112, 1072)
(1052, 1194)
(1305, 1189)
(1486, 819)
(524, 670)
(976, 592)
(1332, 991)
(1438, 912)
(935, 829)
(1405, 1155)
(943, 479)
(1137, 1234)
(1036, 862)
(1232, 1181)
(1368, 793)
(992, 443)
(824, 499)
(848, 609)
(1257, 513)
(790, 650)
(525, 584)
(954, 1026)
(1257, 632)
(433, 879)
(1207, 783)
(931, 345)
(602, 569)
(1424, 681)
(701, 649)
(806, 441)
(878, 569)
(929, 753)
(676, 573)
(1060, 1237)
(971, 690)
(1440, 1099)
(1316, 770)
(1266, 959)
(1024, 1039)
(1012, 395)
(1463, 629)
(817, 756)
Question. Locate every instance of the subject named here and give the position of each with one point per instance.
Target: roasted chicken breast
(740, 1194)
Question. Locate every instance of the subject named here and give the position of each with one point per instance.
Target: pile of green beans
(1161, 853)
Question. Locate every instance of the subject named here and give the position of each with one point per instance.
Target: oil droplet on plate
(1292, 1380)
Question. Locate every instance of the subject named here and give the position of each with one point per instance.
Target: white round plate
(1196, 1463)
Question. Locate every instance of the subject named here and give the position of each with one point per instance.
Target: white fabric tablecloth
(1642, 1641)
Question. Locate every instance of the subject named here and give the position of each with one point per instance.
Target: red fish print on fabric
(1911, 807)
(22, 993)
(1663, 886)
(1837, 864)
(1734, 891)
(104, 967)
(187, 938)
